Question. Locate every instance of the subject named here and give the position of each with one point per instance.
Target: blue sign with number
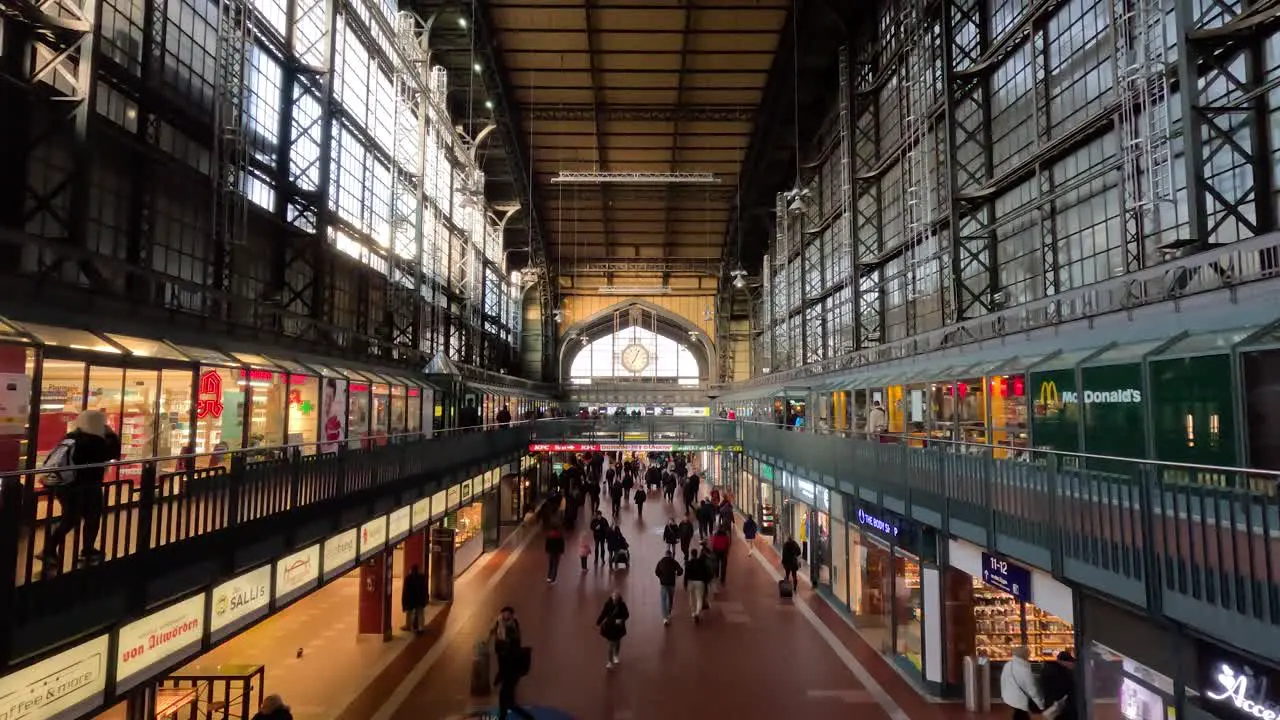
(1004, 575)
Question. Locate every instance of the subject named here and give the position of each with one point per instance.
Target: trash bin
(977, 684)
(442, 564)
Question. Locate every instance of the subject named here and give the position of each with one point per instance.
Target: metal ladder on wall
(917, 205)
(231, 210)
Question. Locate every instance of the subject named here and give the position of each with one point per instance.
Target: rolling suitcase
(785, 590)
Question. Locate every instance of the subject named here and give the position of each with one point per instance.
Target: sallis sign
(1009, 577)
(1051, 398)
(240, 601)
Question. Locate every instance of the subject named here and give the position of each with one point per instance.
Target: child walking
(584, 551)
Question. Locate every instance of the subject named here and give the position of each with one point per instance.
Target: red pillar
(374, 586)
(415, 552)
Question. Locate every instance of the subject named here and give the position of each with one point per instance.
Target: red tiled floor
(753, 657)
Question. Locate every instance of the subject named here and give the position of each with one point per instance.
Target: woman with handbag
(612, 622)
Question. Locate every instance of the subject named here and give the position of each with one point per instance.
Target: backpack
(56, 462)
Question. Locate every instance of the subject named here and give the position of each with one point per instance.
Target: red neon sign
(265, 375)
(209, 402)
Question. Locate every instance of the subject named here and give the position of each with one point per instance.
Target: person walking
(555, 548)
(513, 661)
(1058, 682)
(706, 514)
(720, 547)
(79, 491)
(641, 496)
(615, 497)
(791, 562)
(691, 494)
(584, 551)
(628, 482)
(612, 623)
(686, 537)
(696, 575)
(667, 571)
(671, 535)
(1018, 687)
(413, 599)
(749, 531)
(600, 533)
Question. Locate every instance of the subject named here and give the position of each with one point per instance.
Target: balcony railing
(1199, 544)
(158, 502)
(645, 430)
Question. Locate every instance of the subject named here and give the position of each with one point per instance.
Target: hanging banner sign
(421, 513)
(163, 638)
(297, 574)
(64, 687)
(373, 536)
(1009, 577)
(399, 523)
(240, 601)
(339, 553)
(634, 447)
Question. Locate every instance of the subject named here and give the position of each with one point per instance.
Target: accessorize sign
(373, 536)
(239, 601)
(339, 553)
(1231, 687)
(297, 574)
(422, 512)
(65, 686)
(158, 640)
(399, 523)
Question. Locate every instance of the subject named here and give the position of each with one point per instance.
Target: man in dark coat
(413, 598)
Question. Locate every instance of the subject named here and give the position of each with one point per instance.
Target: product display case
(1002, 622)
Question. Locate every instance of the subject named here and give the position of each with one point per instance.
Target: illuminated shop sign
(1233, 688)
(880, 525)
(634, 447)
(1051, 398)
(421, 512)
(399, 523)
(1009, 577)
(209, 400)
(240, 601)
(373, 536)
(339, 553)
(296, 574)
(63, 687)
(157, 641)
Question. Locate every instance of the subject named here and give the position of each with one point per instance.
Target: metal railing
(156, 502)
(652, 429)
(1198, 543)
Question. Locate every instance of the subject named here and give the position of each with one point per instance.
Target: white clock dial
(635, 358)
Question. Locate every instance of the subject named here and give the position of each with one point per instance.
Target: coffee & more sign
(62, 687)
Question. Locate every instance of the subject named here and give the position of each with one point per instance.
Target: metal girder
(974, 270)
(867, 221)
(710, 266)
(580, 113)
(1222, 72)
(602, 162)
(50, 53)
(674, 155)
(496, 77)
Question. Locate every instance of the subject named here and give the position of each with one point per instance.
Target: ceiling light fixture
(488, 104)
(462, 23)
(635, 178)
(477, 67)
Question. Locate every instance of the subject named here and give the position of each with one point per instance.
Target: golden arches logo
(1049, 395)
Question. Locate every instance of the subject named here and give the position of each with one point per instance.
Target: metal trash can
(441, 564)
(480, 671)
(977, 684)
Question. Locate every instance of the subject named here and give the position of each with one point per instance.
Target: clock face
(635, 358)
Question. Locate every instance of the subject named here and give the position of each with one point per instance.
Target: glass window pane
(138, 422)
(291, 365)
(304, 412)
(148, 348)
(358, 411)
(333, 413)
(175, 417)
(219, 414)
(205, 356)
(106, 393)
(17, 366)
(269, 394)
(254, 360)
(66, 337)
(61, 399)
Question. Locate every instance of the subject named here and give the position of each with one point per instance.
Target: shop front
(476, 521)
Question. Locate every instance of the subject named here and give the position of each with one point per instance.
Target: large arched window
(634, 352)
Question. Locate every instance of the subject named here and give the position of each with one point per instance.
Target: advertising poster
(240, 601)
(422, 512)
(333, 413)
(439, 504)
(339, 553)
(399, 523)
(63, 687)
(296, 574)
(15, 404)
(373, 536)
(428, 411)
(157, 641)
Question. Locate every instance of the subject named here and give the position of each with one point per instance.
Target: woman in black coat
(613, 626)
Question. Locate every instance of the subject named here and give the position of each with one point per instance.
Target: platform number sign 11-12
(1009, 577)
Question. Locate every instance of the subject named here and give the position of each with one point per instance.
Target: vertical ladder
(846, 248)
(231, 212)
(915, 176)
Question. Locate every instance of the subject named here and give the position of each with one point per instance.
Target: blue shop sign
(883, 525)
(1004, 575)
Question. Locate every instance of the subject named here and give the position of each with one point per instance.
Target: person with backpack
(513, 661)
(641, 496)
(600, 534)
(79, 490)
(749, 531)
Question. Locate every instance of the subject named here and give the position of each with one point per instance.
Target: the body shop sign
(296, 574)
(63, 687)
(339, 553)
(240, 601)
(373, 536)
(422, 512)
(157, 641)
(398, 524)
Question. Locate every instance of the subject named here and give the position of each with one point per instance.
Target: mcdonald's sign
(1049, 397)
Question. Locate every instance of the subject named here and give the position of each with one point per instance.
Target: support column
(375, 596)
(415, 552)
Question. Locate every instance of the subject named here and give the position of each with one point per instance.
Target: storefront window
(17, 365)
(397, 409)
(358, 412)
(909, 606)
(467, 523)
(304, 412)
(61, 400)
(415, 410)
(1115, 680)
(175, 417)
(381, 410)
(220, 411)
(269, 392)
(138, 422)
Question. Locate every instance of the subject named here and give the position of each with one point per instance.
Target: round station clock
(635, 358)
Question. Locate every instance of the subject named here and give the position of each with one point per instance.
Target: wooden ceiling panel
(640, 42)
(547, 96)
(539, 20)
(633, 19)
